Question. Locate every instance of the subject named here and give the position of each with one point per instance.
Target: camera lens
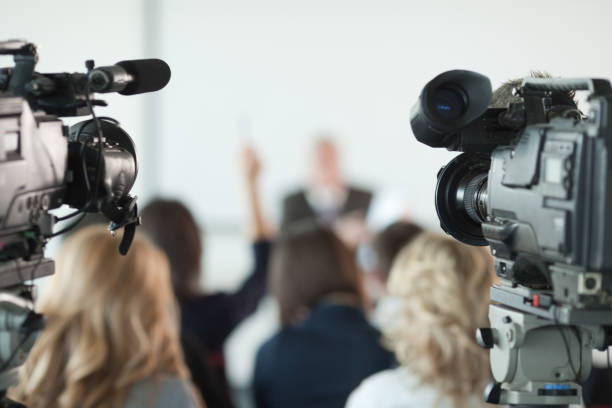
(461, 197)
(475, 197)
(448, 103)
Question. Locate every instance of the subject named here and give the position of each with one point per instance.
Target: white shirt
(387, 314)
(161, 393)
(397, 388)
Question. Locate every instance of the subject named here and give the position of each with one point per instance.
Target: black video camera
(90, 167)
(534, 182)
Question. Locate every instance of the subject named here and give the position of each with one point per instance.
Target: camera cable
(93, 194)
(567, 349)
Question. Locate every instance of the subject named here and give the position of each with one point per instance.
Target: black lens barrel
(461, 197)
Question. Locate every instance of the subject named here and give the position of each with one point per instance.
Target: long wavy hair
(173, 228)
(310, 263)
(444, 287)
(111, 322)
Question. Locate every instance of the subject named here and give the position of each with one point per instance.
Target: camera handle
(18, 47)
(596, 87)
(25, 59)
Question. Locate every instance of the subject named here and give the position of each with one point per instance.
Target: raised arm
(244, 301)
(259, 229)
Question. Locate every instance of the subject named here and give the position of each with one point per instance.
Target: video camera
(90, 167)
(534, 182)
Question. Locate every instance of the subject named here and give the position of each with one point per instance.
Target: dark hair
(308, 263)
(171, 226)
(391, 240)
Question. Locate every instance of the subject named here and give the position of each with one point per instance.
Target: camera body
(44, 165)
(534, 182)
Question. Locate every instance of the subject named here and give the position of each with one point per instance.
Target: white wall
(355, 67)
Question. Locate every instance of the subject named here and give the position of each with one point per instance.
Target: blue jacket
(318, 362)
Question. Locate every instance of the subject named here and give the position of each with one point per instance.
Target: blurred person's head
(325, 169)
(390, 241)
(310, 264)
(172, 227)
(444, 287)
(111, 322)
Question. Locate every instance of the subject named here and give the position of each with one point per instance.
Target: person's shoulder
(176, 388)
(358, 199)
(385, 378)
(399, 388)
(282, 344)
(374, 389)
(281, 337)
(267, 350)
(161, 392)
(268, 345)
(360, 191)
(266, 359)
(295, 195)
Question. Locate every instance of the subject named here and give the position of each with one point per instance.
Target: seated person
(111, 338)
(326, 347)
(444, 286)
(387, 245)
(390, 241)
(208, 319)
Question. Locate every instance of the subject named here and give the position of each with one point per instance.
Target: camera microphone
(130, 77)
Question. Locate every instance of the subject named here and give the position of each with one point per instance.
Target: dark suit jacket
(319, 362)
(297, 208)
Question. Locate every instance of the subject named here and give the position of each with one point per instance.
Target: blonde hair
(444, 288)
(111, 322)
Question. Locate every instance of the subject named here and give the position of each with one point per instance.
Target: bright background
(276, 72)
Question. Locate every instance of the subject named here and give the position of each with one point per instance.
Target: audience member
(387, 244)
(327, 196)
(390, 241)
(444, 285)
(111, 337)
(326, 347)
(208, 319)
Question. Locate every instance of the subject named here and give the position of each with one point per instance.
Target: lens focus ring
(475, 192)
